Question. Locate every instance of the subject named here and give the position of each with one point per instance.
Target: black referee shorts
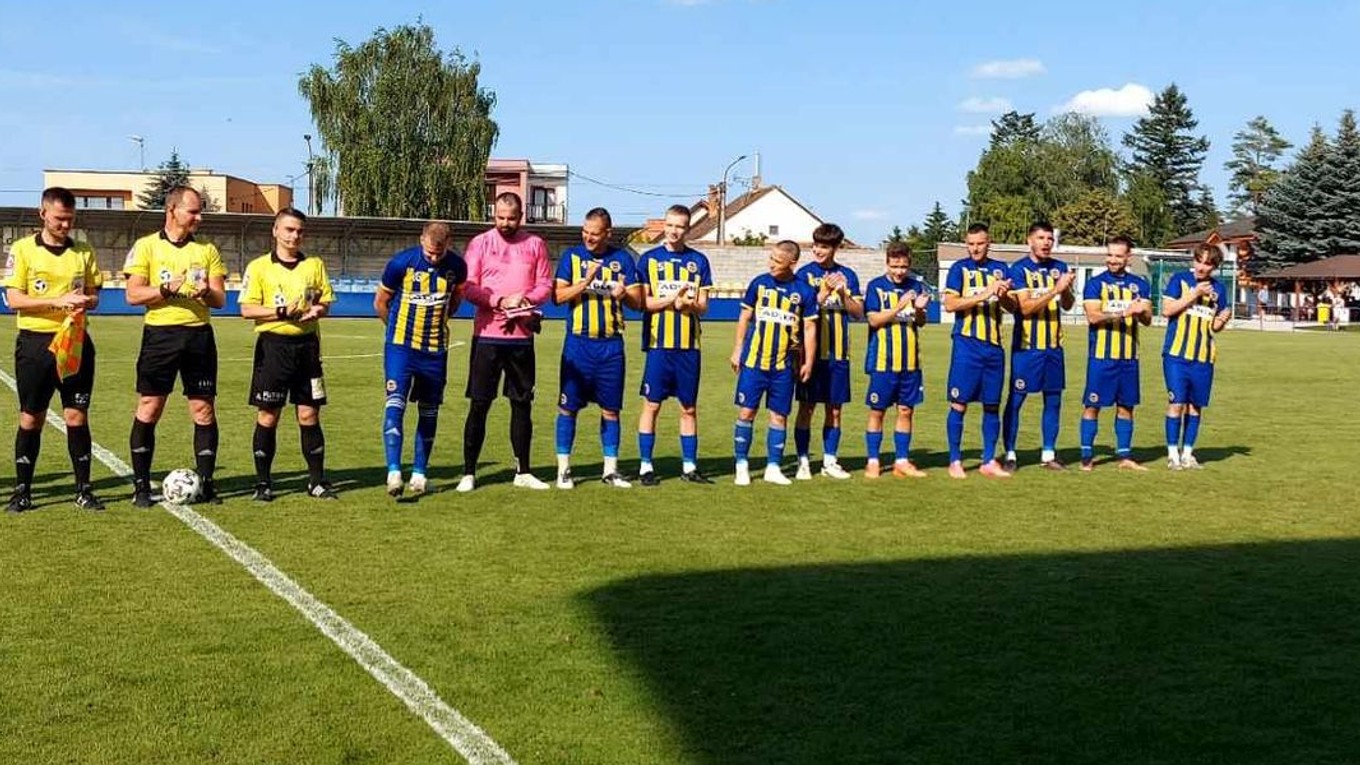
(189, 352)
(492, 360)
(287, 367)
(35, 374)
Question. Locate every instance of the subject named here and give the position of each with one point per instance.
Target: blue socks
(1089, 428)
(426, 426)
(774, 445)
(610, 435)
(1010, 428)
(646, 445)
(689, 450)
(1191, 430)
(566, 433)
(873, 443)
(831, 442)
(1123, 436)
(991, 429)
(1052, 418)
(802, 441)
(741, 440)
(901, 445)
(392, 435)
(954, 430)
(1173, 432)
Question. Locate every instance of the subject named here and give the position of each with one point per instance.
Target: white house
(765, 210)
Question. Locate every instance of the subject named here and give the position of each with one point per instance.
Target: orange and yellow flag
(68, 345)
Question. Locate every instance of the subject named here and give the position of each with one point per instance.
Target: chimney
(755, 177)
(714, 198)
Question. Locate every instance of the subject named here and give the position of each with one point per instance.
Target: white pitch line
(461, 733)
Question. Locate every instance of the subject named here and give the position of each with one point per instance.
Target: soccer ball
(181, 486)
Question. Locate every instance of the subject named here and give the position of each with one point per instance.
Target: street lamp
(311, 190)
(722, 201)
(141, 149)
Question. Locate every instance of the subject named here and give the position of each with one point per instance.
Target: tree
(1147, 202)
(171, 173)
(1012, 128)
(406, 128)
(1207, 210)
(895, 235)
(1094, 218)
(1287, 221)
(1255, 150)
(938, 227)
(1338, 215)
(1165, 148)
(747, 239)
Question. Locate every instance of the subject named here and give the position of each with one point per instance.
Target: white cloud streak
(993, 105)
(1132, 100)
(1009, 69)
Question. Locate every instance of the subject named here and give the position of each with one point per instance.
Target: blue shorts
(415, 375)
(591, 372)
(671, 373)
(829, 383)
(977, 372)
(894, 389)
(1188, 382)
(1111, 382)
(776, 385)
(1038, 371)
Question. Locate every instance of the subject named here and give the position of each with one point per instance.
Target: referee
(51, 277)
(286, 293)
(178, 279)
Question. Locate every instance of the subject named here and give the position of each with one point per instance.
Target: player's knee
(833, 416)
(33, 420)
(609, 414)
(74, 418)
(778, 420)
(267, 418)
(395, 401)
(150, 408)
(308, 415)
(1175, 410)
(202, 411)
(1090, 413)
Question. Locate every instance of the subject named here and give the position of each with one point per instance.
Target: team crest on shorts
(741, 398)
(873, 398)
(562, 399)
(1019, 384)
(1094, 398)
(391, 386)
(953, 392)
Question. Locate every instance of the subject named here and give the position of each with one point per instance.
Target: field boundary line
(459, 732)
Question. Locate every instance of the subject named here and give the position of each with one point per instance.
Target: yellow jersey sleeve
(327, 294)
(252, 284)
(138, 262)
(214, 263)
(16, 267)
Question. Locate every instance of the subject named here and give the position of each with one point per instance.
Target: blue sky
(867, 112)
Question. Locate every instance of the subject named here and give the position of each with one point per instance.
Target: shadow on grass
(1242, 654)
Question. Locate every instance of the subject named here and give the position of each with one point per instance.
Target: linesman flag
(69, 344)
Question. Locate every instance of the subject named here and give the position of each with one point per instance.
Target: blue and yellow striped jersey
(1190, 335)
(896, 347)
(595, 313)
(661, 272)
(1115, 294)
(970, 277)
(833, 323)
(1042, 331)
(778, 309)
(422, 293)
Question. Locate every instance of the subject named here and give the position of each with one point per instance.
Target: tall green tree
(1164, 148)
(1287, 221)
(1256, 149)
(1014, 127)
(1094, 218)
(1339, 213)
(406, 127)
(896, 235)
(169, 174)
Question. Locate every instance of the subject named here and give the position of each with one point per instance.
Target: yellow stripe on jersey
(1043, 330)
(157, 259)
(1117, 341)
(400, 334)
(39, 273)
(597, 313)
(670, 329)
(776, 320)
(982, 321)
(896, 346)
(1194, 338)
(272, 284)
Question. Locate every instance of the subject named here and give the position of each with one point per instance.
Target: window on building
(774, 231)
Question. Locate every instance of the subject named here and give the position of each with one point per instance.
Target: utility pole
(311, 186)
(722, 201)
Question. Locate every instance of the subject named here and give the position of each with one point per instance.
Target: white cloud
(869, 214)
(1009, 69)
(1132, 100)
(972, 129)
(993, 105)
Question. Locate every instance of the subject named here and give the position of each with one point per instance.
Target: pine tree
(1255, 149)
(1014, 127)
(170, 174)
(1287, 221)
(938, 227)
(1338, 215)
(1165, 148)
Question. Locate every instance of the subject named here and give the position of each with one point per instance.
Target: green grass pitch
(1211, 616)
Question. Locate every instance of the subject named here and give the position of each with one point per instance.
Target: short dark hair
(1039, 225)
(57, 195)
(897, 250)
(510, 198)
(290, 212)
(979, 228)
(599, 213)
(788, 247)
(678, 210)
(1122, 239)
(1209, 253)
(175, 196)
(828, 234)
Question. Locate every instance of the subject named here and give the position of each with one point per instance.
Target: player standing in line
(975, 290)
(778, 322)
(595, 280)
(179, 279)
(508, 278)
(838, 301)
(1043, 290)
(895, 305)
(286, 293)
(49, 278)
(1116, 304)
(1197, 305)
(425, 283)
(674, 282)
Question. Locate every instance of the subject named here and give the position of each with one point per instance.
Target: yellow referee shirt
(273, 283)
(46, 272)
(158, 260)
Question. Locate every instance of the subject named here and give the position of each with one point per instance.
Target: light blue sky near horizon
(867, 112)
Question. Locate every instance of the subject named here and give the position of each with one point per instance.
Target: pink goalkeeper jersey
(499, 267)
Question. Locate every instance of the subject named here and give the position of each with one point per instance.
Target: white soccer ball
(181, 486)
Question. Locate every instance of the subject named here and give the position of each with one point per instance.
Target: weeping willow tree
(405, 129)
